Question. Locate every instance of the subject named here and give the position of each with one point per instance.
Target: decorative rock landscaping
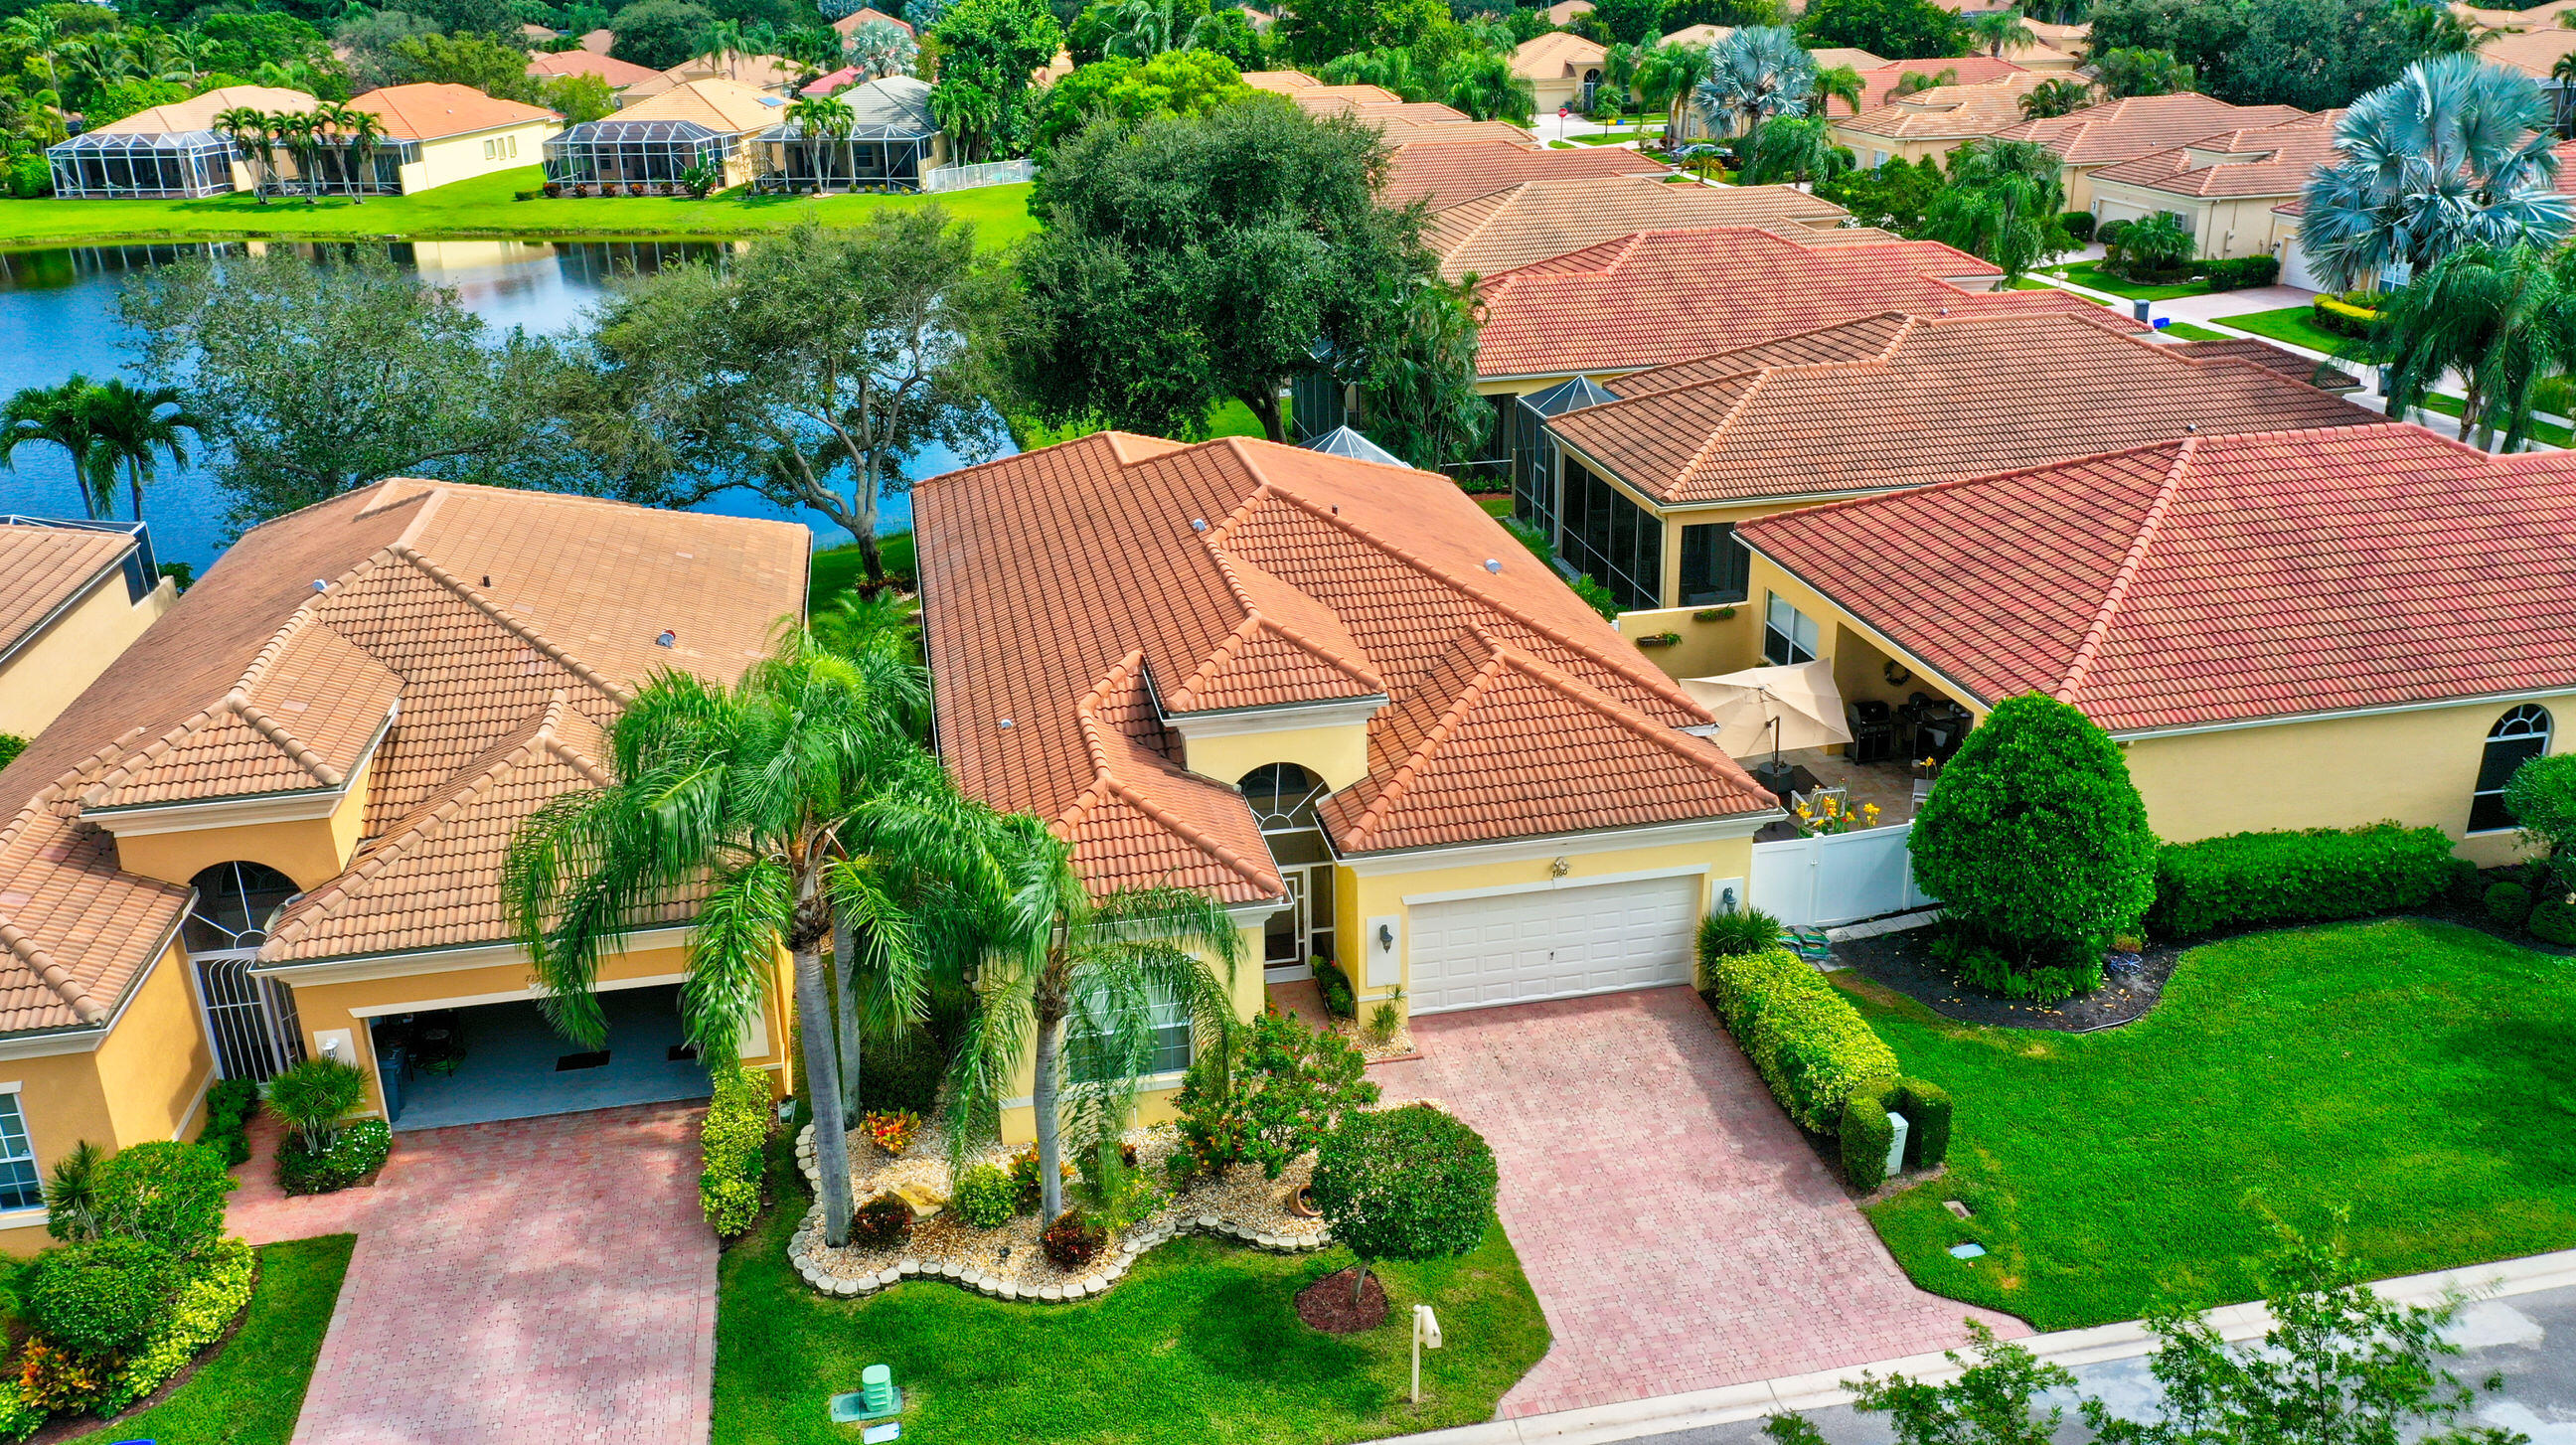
(1009, 1262)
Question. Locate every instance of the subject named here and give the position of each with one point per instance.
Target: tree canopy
(2314, 54)
(1177, 82)
(1896, 29)
(988, 49)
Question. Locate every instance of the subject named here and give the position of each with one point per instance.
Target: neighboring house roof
(2533, 18)
(1898, 401)
(1317, 97)
(534, 31)
(1947, 112)
(2257, 161)
(1827, 57)
(1564, 11)
(1699, 35)
(1663, 296)
(722, 106)
(635, 80)
(1533, 220)
(2121, 130)
(2533, 50)
(479, 621)
(598, 42)
(1878, 84)
(43, 568)
(1236, 574)
(891, 106)
(850, 23)
(2219, 579)
(1336, 100)
(1557, 55)
(1443, 169)
(2272, 358)
(760, 72)
(1401, 131)
(198, 112)
(429, 111)
(1281, 81)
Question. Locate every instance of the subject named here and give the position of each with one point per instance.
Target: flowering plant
(1828, 815)
(893, 1131)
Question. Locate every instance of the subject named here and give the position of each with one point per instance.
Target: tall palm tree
(1839, 82)
(2562, 93)
(1078, 978)
(2002, 30)
(41, 36)
(2131, 70)
(1792, 148)
(1665, 77)
(2453, 153)
(819, 116)
(2502, 318)
(362, 133)
(300, 131)
(1484, 85)
(1145, 28)
(2059, 95)
(748, 799)
(2002, 203)
(135, 427)
(724, 41)
(1754, 74)
(247, 128)
(65, 417)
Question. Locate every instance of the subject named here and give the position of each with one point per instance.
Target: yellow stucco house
(1562, 69)
(2286, 630)
(1929, 124)
(439, 134)
(73, 596)
(2223, 189)
(168, 151)
(2123, 130)
(273, 828)
(1338, 697)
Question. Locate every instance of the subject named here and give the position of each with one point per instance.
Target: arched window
(2517, 737)
(1283, 798)
(251, 1020)
(234, 903)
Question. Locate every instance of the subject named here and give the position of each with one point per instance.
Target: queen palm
(1076, 978)
(2060, 95)
(41, 36)
(2001, 30)
(1483, 85)
(817, 117)
(2562, 92)
(747, 800)
(2453, 153)
(2002, 204)
(1839, 82)
(247, 128)
(361, 133)
(135, 428)
(1665, 77)
(2501, 318)
(63, 416)
(1792, 148)
(1754, 74)
(725, 41)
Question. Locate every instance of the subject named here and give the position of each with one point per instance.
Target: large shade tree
(988, 49)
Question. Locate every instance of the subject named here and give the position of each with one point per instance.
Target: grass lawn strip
(2550, 432)
(2091, 275)
(485, 206)
(1200, 1342)
(2189, 332)
(251, 1389)
(2414, 1072)
(2294, 324)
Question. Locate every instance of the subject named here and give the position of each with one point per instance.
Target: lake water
(56, 318)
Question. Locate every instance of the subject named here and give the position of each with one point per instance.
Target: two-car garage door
(1553, 943)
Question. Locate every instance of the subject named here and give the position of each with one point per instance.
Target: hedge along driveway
(2415, 1073)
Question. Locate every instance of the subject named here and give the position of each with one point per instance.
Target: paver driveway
(538, 1280)
(1679, 1232)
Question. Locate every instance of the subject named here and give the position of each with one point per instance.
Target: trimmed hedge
(2509, 904)
(730, 1145)
(205, 1308)
(2079, 224)
(1805, 1039)
(1866, 1132)
(2342, 317)
(1340, 1000)
(1927, 1107)
(230, 1106)
(361, 1150)
(2244, 273)
(2250, 879)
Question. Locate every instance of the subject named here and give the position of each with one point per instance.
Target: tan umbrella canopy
(1773, 709)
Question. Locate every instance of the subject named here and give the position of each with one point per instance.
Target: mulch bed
(1903, 961)
(1327, 1304)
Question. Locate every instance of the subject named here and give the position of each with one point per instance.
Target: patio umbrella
(1773, 707)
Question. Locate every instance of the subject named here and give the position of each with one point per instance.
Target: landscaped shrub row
(229, 1107)
(2079, 224)
(1867, 1131)
(730, 1145)
(1803, 1036)
(2342, 317)
(2243, 273)
(2248, 879)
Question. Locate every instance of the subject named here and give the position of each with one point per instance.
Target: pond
(57, 317)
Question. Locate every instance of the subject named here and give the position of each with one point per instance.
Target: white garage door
(1553, 943)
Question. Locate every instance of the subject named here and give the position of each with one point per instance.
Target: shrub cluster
(167, 1194)
(2079, 224)
(2509, 904)
(1805, 1039)
(732, 1145)
(1867, 1132)
(230, 1106)
(361, 1150)
(1024, 1178)
(2553, 921)
(1340, 999)
(985, 1197)
(102, 1298)
(1265, 1097)
(2343, 318)
(1074, 1240)
(2242, 274)
(2077, 968)
(1731, 935)
(882, 1223)
(902, 1075)
(1405, 1183)
(2251, 879)
(199, 1316)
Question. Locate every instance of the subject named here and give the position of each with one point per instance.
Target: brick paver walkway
(538, 1280)
(1679, 1232)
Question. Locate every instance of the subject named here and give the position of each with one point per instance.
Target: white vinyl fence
(990, 173)
(1823, 881)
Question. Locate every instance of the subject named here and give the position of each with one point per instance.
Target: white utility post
(1426, 1335)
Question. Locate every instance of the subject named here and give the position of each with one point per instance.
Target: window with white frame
(1788, 635)
(1168, 1021)
(20, 1187)
(2517, 737)
(491, 149)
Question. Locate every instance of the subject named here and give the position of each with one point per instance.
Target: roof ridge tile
(502, 615)
(2148, 526)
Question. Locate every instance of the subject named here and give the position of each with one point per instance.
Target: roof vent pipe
(1494, 565)
(667, 639)
(321, 586)
(1198, 524)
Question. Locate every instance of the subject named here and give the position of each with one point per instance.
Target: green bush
(2541, 796)
(2243, 273)
(101, 1299)
(167, 1194)
(2342, 317)
(1803, 1036)
(1867, 1133)
(2509, 904)
(2553, 921)
(1728, 935)
(731, 1142)
(2468, 886)
(313, 1097)
(204, 1309)
(2033, 838)
(882, 1222)
(360, 1150)
(1271, 1101)
(230, 1106)
(1405, 1183)
(2079, 224)
(30, 176)
(2247, 880)
(11, 745)
(1340, 1000)
(2109, 233)
(985, 1197)
(1927, 1107)
(1980, 965)
(899, 1073)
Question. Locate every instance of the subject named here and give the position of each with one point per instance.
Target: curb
(1822, 1389)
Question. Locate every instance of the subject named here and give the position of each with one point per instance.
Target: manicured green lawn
(486, 206)
(2189, 332)
(1231, 418)
(1200, 1343)
(836, 569)
(2417, 1074)
(1620, 136)
(2294, 324)
(2090, 273)
(253, 1388)
(2550, 432)
(2027, 283)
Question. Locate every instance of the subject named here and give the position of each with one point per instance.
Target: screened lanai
(337, 171)
(649, 153)
(124, 163)
(891, 142)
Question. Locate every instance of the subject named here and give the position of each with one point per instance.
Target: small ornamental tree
(1410, 1183)
(2541, 796)
(2034, 839)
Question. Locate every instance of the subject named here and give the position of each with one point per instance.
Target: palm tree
(133, 431)
(2002, 30)
(1839, 82)
(1078, 977)
(1484, 85)
(2503, 318)
(2453, 153)
(2003, 203)
(1755, 73)
(1665, 77)
(66, 417)
(1794, 149)
(247, 128)
(724, 41)
(880, 48)
(2129, 70)
(1144, 28)
(818, 116)
(2062, 95)
(1914, 81)
(2562, 94)
(41, 36)
(360, 130)
(760, 801)
(300, 131)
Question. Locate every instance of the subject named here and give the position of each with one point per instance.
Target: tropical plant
(313, 1097)
(168, 1194)
(1666, 77)
(2541, 796)
(42, 38)
(2059, 95)
(2132, 70)
(1753, 74)
(1839, 82)
(988, 49)
(2503, 319)
(2155, 245)
(2004, 202)
(71, 1192)
(820, 119)
(2001, 30)
(1792, 148)
(1150, 27)
(761, 801)
(100, 1299)
(1485, 86)
(1394, 70)
(247, 127)
(1897, 29)
(2455, 153)
(358, 134)
(879, 48)
(1076, 979)
(2562, 90)
(724, 41)
(135, 427)
(62, 415)
(1915, 82)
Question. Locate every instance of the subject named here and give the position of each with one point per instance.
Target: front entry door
(1303, 931)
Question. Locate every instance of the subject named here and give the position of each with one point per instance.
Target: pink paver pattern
(1679, 1233)
(537, 1280)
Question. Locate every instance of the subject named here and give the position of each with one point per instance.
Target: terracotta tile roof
(721, 106)
(1399, 112)
(1828, 56)
(2271, 160)
(2306, 369)
(621, 75)
(598, 42)
(1947, 111)
(1317, 579)
(850, 23)
(1563, 12)
(1814, 415)
(2532, 50)
(1320, 96)
(1281, 81)
(1534, 220)
(1557, 55)
(2220, 579)
(430, 112)
(760, 72)
(1444, 171)
(42, 568)
(198, 112)
(477, 609)
(1663, 296)
(2122, 130)
(1878, 84)
(1701, 35)
(1401, 131)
